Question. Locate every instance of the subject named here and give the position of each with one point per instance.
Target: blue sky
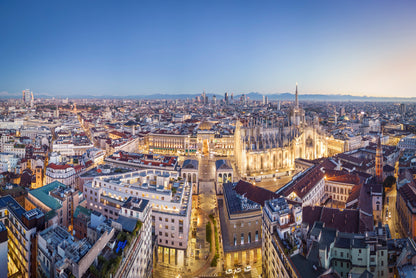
(146, 47)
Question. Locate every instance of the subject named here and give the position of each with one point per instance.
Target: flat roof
(12, 204)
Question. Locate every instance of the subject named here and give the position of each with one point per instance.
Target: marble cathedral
(265, 146)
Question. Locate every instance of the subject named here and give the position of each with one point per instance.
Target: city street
(390, 207)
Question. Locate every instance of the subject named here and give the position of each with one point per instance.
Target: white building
(280, 219)
(22, 229)
(171, 202)
(14, 148)
(65, 174)
(408, 143)
(8, 162)
(138, 261)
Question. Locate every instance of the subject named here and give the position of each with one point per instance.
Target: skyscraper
(27, 97)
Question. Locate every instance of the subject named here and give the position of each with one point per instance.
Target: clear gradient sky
(146, 47)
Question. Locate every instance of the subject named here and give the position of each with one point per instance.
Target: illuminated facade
(3, 250)
(21, 227)
(280, 219)
(170, 198)
(205, 142)
(262, 149)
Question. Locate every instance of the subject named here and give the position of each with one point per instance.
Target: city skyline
(147, 48)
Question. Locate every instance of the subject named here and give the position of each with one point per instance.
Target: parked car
(229, 271)
(237, 270)
(247, 269)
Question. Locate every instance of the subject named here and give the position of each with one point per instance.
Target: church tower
(379, 161)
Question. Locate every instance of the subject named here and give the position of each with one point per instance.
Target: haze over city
(173, 47)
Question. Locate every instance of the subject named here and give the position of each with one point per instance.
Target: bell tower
(379, 161)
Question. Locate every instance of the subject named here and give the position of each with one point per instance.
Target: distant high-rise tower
(379, 161)
(403, 109)
(226, 98)
(204, 98)
(27, 96)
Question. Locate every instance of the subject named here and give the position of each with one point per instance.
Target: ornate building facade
(265, 150)
(260, 144)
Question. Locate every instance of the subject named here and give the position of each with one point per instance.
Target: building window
(242, 239)
(235, 240)
(257, 236)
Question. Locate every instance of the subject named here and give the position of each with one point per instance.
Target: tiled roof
(342, 176)
(254, 193)
(234, 202)
(58, 166)
(354, 195)
(302, 185)
(343, 220)
(408, 193)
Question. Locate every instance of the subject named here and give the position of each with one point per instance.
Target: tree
(389, 181)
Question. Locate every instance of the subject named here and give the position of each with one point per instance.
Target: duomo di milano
(269, 148)
(260, 145)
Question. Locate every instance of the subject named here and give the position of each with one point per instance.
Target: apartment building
(22, 227)
(349, 254)
(170, 198)
(63, 173)
(281, 238)
(59, 255)
(58, 201)
(3, 250)
(138, 260)
(240, 220)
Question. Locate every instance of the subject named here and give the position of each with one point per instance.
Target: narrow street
(207, 205)
(390, 208)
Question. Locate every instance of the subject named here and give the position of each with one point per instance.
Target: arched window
(257, 236)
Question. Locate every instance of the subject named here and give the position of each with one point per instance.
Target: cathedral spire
(296, 95)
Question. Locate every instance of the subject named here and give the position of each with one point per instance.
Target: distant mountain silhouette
(251, 95)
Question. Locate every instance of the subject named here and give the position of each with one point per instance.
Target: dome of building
(205, 125)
